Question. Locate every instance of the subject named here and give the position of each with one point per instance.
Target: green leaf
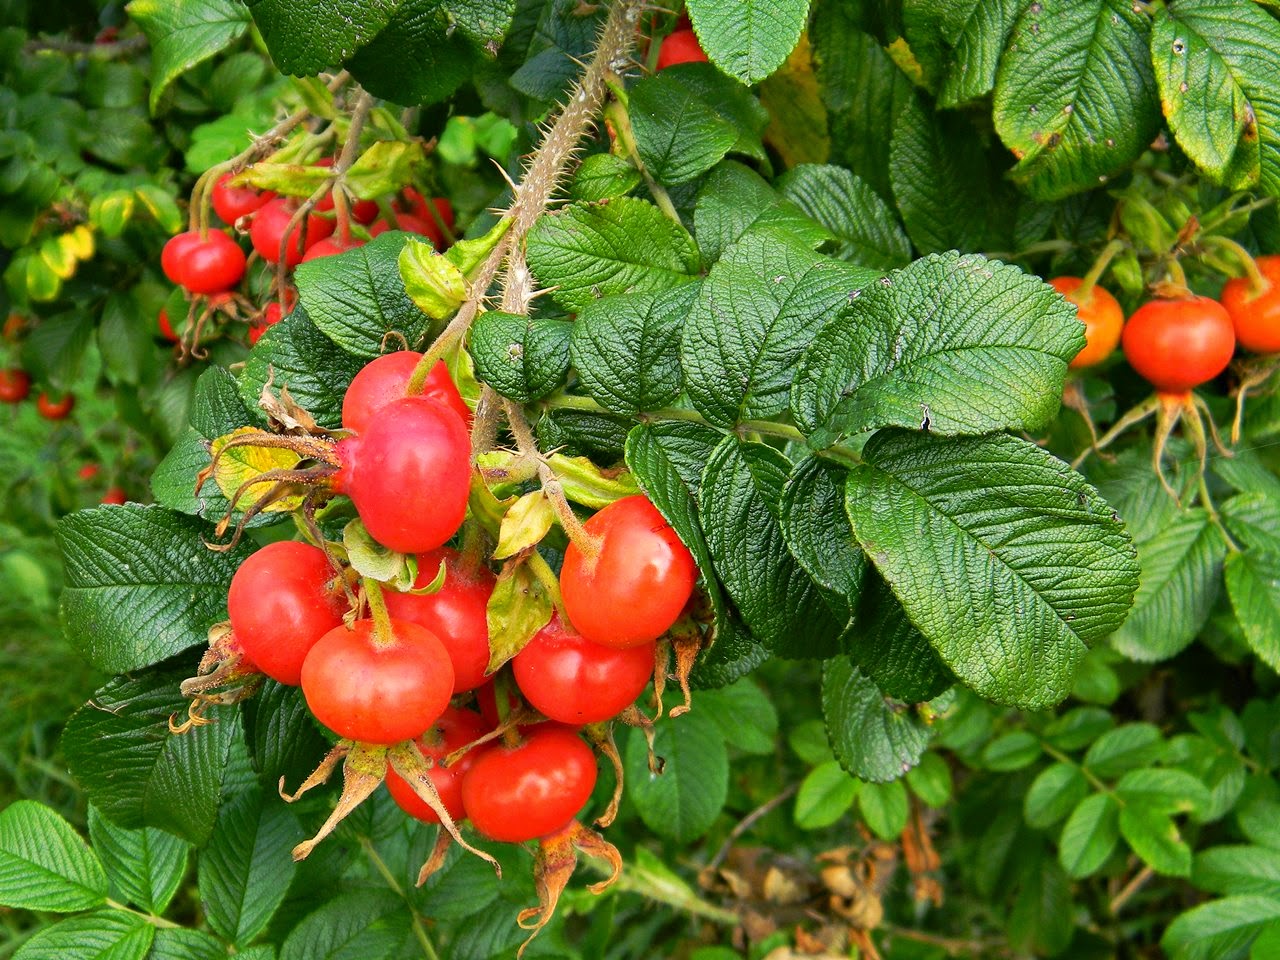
(217, 409)
(521, 357)
(826, 794)
(1053, 794)
(595, 250)
(356, 298)
(180, 943)
(667, 460)
(684, 800)
(748, 40)
(1078, 728)
(295, 354)
(1127, 747)
(145, 866)
(128, 352)
(732, 100)
(745, 715)
(678, 135)
(283, 738)
(140, 584)
(1154, 837)
(1041, 919)
(308, 36)
(1220, 929)
(738, 507)
(244, 875)
(1238, 870)
(1011, 751)
(945, 181)
(873, 739)
(1181, 571)
(1075, 97)
(1253, 584)
(1089, 835)
(119, 749)
(930, 781)
(935, 515)
(976, 31)
(968, 344)
(183, 33)
(1216, 63)
(103, 935)
(603, 176)
(818, 533)
(54, 350)
(890, 650)
(1157, 790)
(370, 924)
(752, 319)
(733, 199)
(44, 864)
(865, 226)
(884, 808)
(626, 349)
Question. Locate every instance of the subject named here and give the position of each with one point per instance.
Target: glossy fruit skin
(454, 730)
(268, 226)
(1177, 345)
(384, 379)
(638, 583)
(680, 46)
(409, 474)
(566, 677)
(1103, 320)
(514, 794)
(211, 265)
(52, 409)
(1256, 319)
(376, 693)
(329, 247)
(281, 602)
(411, 223)
(115, 496)
(15, 385)
(456, 613)
(231, 203)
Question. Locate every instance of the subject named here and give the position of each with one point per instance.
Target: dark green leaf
(1126, 747)
(684, 800)
(952, 344)
(120, 751)
(1075, 97)
(733, 199)
(44, 864)
(1053, 794)
(872, 738)
(865, 226)
(976, 31)
(679, 136)
(890, 650)
(521, 357)
(283, 738)
(145, 866)
(369, 924)
(745, 715)
(748, 40)
(1238, 871)
(818, 533)
(738, 507)
(1253, 583)
(595, 250)
(1220, 929)
(1089, 835)
(935, 515)
(419, 57)
(104, 935)
(183, 33)
(140, 584)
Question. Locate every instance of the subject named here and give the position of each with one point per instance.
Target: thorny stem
(548, 167)
(1099, 267)
(551, 485)
(336, 174)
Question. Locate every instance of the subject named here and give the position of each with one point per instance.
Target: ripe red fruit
(209, 265)
(639, 581)
(231, 203)
(514, 794)
(282, 600)
(52, 409)
(409, 474)
(1102, 317)
(416, 204)
(454, 730)
(456, 613)
(566, 677)
(166, 328)
(1256, 319)
(385, 378)
(328, 247)
(412, 224)
(268, 226)
(271, 314)
(680, 46)
(15, 385)
(1179, 344)
(88, 471)
(115, 496)
(375, 692)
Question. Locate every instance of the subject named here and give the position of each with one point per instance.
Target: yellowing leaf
(239, 464)
(432, 282)
(525, 524)
(797, 116)
(519, 607)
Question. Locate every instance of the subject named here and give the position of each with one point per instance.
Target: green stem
(1210, 225)
(1215, 517)
(151, 918)
(1089, 775)
(620, 120)
(657, 888)
(1258, 284)
(1099, 267)
(419, 931)
(382, 632)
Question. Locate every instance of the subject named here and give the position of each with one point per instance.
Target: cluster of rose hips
(415, 669)
(15, 387)
(211, 263)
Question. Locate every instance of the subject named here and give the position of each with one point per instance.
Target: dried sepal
(632, 717)
(444, 840)
(557, 857)
(687, 642)
(363, 769)
(601, 737)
